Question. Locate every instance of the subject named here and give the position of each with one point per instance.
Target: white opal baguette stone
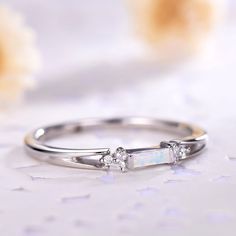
(150, 157)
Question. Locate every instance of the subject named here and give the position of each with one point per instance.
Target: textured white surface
(195, 198)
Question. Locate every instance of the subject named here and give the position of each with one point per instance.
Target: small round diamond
(107, 160)
(179, 150)
(120, 157)
(122, 166)
(183, 151)
(120, 154)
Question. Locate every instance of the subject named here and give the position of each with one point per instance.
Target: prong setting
(179, 150)
(118, 158)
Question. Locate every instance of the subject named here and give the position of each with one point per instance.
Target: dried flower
(175, 27)
(19, 58)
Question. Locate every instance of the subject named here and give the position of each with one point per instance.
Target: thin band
(193, 142)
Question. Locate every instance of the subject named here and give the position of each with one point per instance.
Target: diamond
(120, 154)
(179, 150)
(107, 160)
(119, 158)
(183, 151)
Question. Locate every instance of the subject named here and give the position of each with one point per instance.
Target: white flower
(175, 27)
(19, 58)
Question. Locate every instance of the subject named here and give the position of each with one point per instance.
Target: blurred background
(64, 60)
(81, 49)
(171, 59)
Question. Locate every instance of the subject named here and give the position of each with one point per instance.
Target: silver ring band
(193, 142)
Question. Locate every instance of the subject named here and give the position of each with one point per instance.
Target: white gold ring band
(167, 152)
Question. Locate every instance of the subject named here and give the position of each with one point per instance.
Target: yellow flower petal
(19, 57)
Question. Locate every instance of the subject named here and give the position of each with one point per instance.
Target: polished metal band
(193, 142)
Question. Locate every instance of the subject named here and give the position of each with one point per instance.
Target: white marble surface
(91, 71)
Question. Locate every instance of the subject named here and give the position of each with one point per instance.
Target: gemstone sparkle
(118, 158)
(179, 150)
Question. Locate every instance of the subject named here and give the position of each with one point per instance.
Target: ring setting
(118, 158)
(194, 140)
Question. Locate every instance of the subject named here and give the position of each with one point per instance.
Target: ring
(193, 141)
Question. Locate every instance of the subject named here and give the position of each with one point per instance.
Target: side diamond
(107, 160)
(180, 151)
(119, 158)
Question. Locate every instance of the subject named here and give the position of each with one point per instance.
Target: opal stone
(150, 157)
